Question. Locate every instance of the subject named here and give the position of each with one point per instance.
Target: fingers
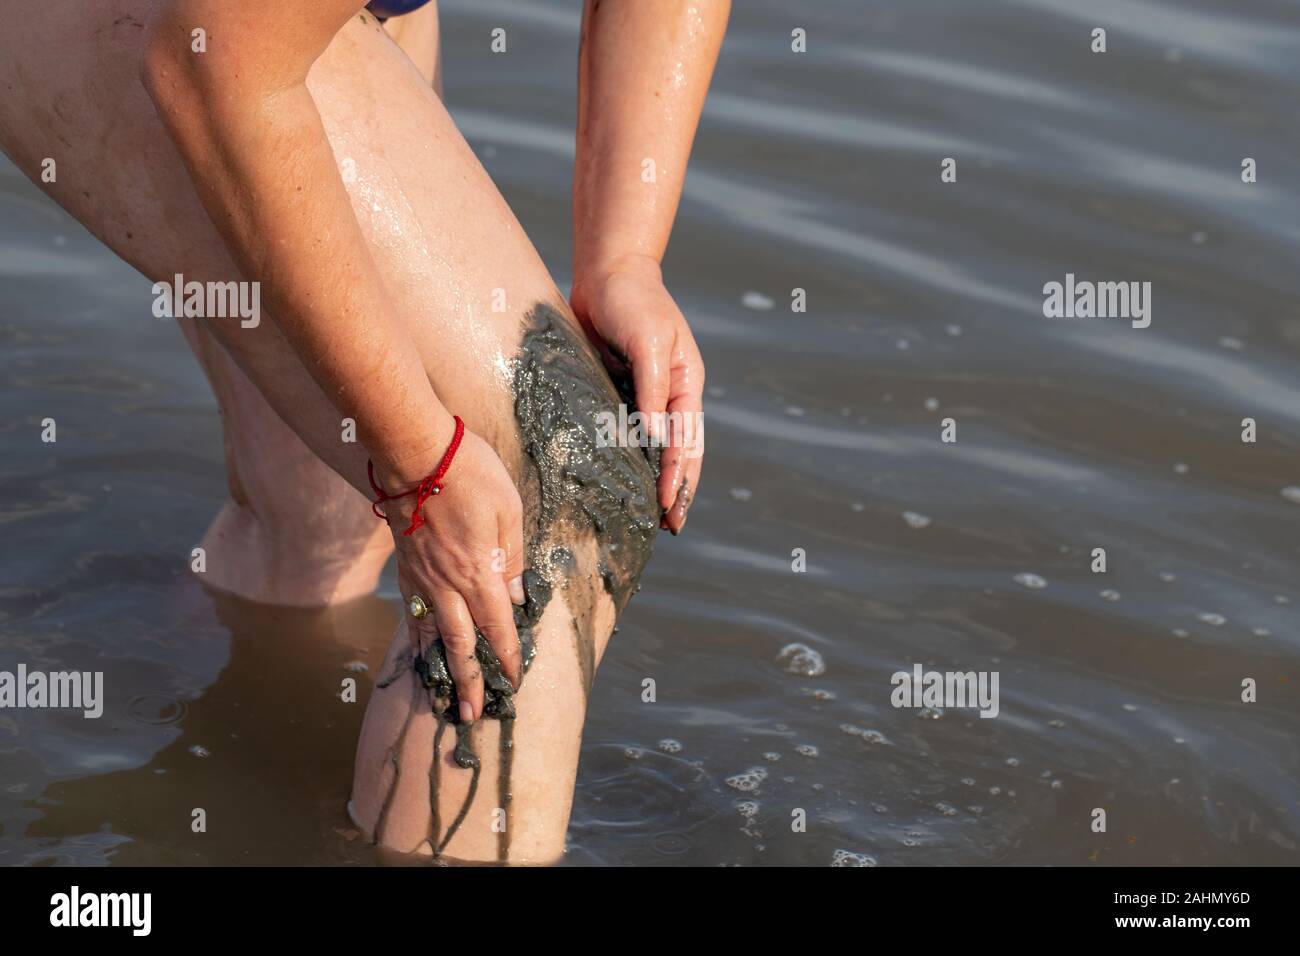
(683, 462)
(421, 633)
(683, 458)
(510, 532)
(651, 377)
(490, 607)
(456, 627)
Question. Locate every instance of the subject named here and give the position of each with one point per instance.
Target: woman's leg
(419, 37)
(464, 275)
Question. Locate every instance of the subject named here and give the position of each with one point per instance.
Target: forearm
(257, 151)
(643, 72)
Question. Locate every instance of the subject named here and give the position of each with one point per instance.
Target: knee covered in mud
(595, 499)
(591, 508)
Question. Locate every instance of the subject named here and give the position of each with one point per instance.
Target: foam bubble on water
(1058, 723)
(869, 736)
(748, 809)
(858, 506)
(670, 746)
(1281, 599)
(200, 751)
(356, 666)
(801, 659)
(771, 756)
(794, 411)
(931, 404)
(1131, 708)
(1261, 632)
(1058, 785)
(849, 858)
(1030, 580)
(946, 809)
(1228, 342)
(1179, 632)
(1291, 493)
(748, 781)
(1012, 761)
(915, 520)
(1110, 595)
(930, 713)
(633, 753)
(741, 494)
(1180, 468)
(819, 694)
(1167, 576)
(1214, 620)
(953, 330)
(757, 301)
(806, 750)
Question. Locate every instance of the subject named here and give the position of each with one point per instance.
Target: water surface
(816, 171)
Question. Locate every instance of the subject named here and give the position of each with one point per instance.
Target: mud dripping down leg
(394, 759)
(467, 759)
(505, 764)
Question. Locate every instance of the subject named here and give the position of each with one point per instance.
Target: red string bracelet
(427, 488)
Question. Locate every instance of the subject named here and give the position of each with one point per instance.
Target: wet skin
(593, 515)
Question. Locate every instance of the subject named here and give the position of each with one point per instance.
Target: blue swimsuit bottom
(384, 9)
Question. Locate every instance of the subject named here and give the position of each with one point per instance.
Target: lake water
(817, 171)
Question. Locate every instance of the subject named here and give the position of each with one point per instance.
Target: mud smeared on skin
(587, 491)
(594, 514)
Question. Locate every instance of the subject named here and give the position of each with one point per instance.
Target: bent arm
(252, 139)
(643, 72)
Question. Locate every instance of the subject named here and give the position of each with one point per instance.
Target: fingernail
(466, 712)
(516, 587)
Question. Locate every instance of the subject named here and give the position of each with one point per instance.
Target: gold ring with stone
(417, 607)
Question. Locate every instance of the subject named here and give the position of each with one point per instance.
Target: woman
(300, 144)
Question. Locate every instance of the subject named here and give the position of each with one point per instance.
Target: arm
(252, 139)
(644, 70)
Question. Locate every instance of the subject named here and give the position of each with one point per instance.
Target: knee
(268, 558)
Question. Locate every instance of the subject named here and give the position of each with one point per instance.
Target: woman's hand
(465, 561)
(627, 311)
